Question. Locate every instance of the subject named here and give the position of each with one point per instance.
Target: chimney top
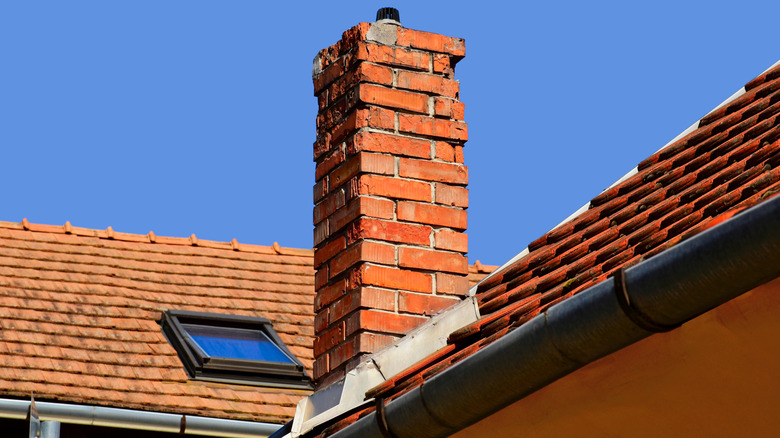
(388, 15)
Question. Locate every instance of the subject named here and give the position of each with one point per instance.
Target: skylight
(234, 349)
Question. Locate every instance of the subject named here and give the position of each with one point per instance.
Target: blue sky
(198, 117)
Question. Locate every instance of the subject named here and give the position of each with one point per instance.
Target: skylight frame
(201, 366)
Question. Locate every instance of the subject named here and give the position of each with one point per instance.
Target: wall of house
(717, 375)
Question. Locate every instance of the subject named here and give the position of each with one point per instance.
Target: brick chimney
(390, 195)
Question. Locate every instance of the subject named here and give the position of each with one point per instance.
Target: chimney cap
(388, 15)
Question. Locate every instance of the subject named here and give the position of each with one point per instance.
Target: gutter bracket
(634, 314)
(381, 420)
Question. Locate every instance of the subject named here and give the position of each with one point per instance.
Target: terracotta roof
(729, 162)
(79, 312)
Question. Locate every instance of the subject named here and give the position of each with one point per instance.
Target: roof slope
(79, 312)
(731, 161)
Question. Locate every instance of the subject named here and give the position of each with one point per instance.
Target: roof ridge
(152, 238)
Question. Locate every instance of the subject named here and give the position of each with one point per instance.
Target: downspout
(656, 295)
(140, 420)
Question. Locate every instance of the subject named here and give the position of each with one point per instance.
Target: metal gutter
(140, 420)
(656, 295)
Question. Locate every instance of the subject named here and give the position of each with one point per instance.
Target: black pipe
(669, 289)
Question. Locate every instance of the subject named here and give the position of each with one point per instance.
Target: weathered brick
(320, 190)
(390, 144)
(321, 232)
(321, 320)
(327, 295)
(433, 171)
(361, 343)
(391, 231)
(459, 154)
(321, 255)
(432, 127)
(424, 304)
(361, 206)
(427, 83)
(373, 117)
(451, 240)
(328, 75)
(321, 145)
(452, 284)
(328, 163)
(320, 366)
(329, 205)
(364, 162)
(444, 151)
(363, 251)
(397, 56)
(441, 64)
(432, 260)
(448, 108)
(452, 195)
(383, 96)
(364, 72)
(363, 297)
(431, 41)
(432, 214)
(391, 278)
(328, 339)
(321, 278)
(390, 187)
(382, 322)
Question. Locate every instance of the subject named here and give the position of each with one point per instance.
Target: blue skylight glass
(235, 343)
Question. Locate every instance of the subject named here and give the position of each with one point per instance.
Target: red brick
(363, 251)
(321, 255)
(452, 240)
(391, 278)
(328, 339)
(361, 206)
(352, 36)
(424, 304)
(382, 96)
(321, 145)
(320, 366)
(412, 234)
(432, 260)
(431, 41)
(429, 126)
(452, 284)
(328, 206)
(362, 343)
(327, 295)
(327, 164)
(432, 214)
(441, 64)
(322, 100)
(364, 72)
(363, 162)
(452, 195)
(448, 108)
(363, 297)
(321, 278)
(382, 322)
(459, 154)
(390, 187)
(320, 190)
(328, 75)
(433, 171)
(445, 151)
(321, 232)
(390, 144)
(321, 320)
(366, 117)
(397, 56)
(427, 83)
